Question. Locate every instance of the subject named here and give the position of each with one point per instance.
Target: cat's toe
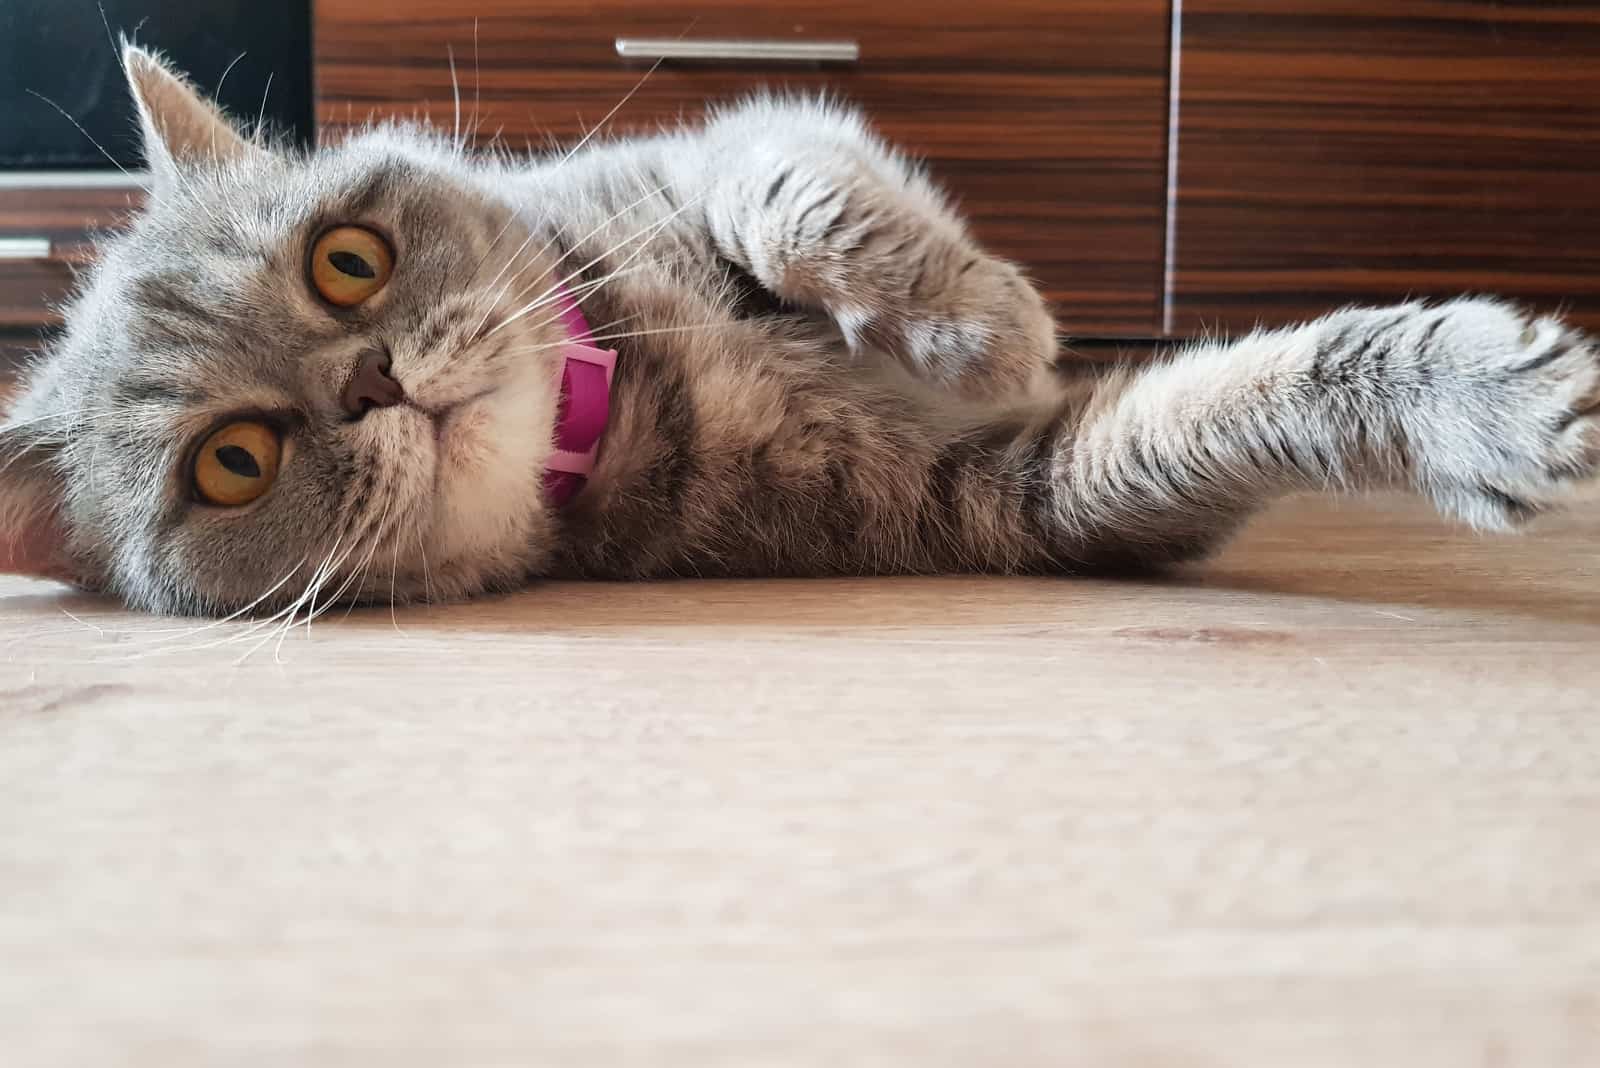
(1525, 434)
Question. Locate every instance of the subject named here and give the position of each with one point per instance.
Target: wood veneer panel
(29, 289)
(1355, 150)
(1046, 117)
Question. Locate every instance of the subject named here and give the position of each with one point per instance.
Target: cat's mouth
(457, 433)
(444, 417)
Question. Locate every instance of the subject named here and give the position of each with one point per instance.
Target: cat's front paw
(1510, 423)
(977, 325)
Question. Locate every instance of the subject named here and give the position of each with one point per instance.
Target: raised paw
(975, 323)
(1508, 419)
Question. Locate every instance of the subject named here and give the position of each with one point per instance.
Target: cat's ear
(32, 536)
(178, 124)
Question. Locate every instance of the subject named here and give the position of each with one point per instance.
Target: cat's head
(290, 368)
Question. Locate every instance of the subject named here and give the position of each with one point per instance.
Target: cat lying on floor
(766, 346)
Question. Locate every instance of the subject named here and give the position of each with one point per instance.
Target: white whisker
(455, 91)
(422, 552)
(180, 633)
(578, 244)
(261, 115)
(218, 96)
(579, 294)
(649, 234)
(534, 258)
(477, 83)
(81, 130)
(621, 336)
(394, 569)
(618, 107)
(83, 622)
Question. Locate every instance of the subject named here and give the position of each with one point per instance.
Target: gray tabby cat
(340, 373)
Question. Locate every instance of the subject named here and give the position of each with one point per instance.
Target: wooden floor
(1334, 802)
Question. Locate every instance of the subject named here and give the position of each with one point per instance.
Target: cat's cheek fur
(489, 523)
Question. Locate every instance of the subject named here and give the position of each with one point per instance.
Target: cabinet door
(1350, 150)
(1046, 117)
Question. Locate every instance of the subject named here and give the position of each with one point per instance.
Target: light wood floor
(1336, 802)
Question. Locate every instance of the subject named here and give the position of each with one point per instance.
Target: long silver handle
(738, 50)
(24, 248)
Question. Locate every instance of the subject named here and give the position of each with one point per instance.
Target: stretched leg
(819, 212)
(1487, 412)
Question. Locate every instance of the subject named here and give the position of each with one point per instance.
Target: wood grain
(1349, 150)
(30, 289)
(1046, 117)
(1333, 803)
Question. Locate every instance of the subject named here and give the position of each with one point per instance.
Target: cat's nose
(371, 386)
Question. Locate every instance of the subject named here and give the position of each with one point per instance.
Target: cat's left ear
(179, 125)
(33, 539)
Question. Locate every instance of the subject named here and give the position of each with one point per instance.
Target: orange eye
(349, 264)
(237, 464)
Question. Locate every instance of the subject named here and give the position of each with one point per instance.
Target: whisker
(81, 130)
(579, 294)
(578, 244)
(228, 639)
(562, 229)
(422, 552)
(649, 234)
(30, 445)
(658, 330)
(618, 107)
(180, 633)
(83, 622)
(218, 96)
(315, 587)
(477, 82)
(534, 258)
(619, 337)
(394, 568)
(359, 573)
(261, 115)
(11, 427)
(455, 90)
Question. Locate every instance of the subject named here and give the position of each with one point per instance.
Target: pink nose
(371, 386)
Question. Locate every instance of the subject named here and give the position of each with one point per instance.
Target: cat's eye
(349, 264)
(237, 464)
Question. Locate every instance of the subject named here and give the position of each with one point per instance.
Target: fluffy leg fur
(1488, 413)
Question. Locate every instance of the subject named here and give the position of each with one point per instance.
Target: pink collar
(584, 407)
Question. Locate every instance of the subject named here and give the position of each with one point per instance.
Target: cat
(299, 379)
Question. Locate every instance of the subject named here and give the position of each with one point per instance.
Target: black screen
(61, 50)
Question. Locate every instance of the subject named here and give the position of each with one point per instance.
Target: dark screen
(60, 50)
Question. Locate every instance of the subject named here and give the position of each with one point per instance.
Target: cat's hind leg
(1490, 413)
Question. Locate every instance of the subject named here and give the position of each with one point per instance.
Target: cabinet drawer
(59, 222)
(1332, 151)
(1047, 118)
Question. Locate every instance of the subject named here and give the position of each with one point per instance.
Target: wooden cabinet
(1354, 150)
(45, 234)
(1046, 117)
(1312, 152)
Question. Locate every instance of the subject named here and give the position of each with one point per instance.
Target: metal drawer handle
(731, 50)
(24, 248)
